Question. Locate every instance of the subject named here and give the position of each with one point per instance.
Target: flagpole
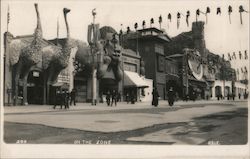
(57, 31)
(8, 18)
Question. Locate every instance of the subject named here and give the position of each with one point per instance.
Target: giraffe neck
(38, 30)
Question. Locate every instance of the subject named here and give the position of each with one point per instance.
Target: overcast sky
(221, 37)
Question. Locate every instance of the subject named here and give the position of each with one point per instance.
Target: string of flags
(242, 69)
(198, 13)
(234, 57)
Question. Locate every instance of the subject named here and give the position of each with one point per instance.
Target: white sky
(221, 37)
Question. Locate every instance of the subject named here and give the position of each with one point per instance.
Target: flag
(57, 28)
(136, 26)
(234, 56)
(151, 22)
(230, 10)
(160, 21)
(218, 11)
(240, 55)
(241, 9)
(57, 31)
(128, 29)
(246, 56)
(187, 16)
(229, 57)
(207, 11)
(94, 12)
(169, 17)
(178, 19)
(8, 15)
(197, 14)
(8, 18)
(143, 24)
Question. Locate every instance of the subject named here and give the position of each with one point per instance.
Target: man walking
(114, 98)
(155, 97)
(108, 98)
(58, 99)
(73, 97)
(171, 96)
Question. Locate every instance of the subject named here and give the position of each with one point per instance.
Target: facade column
(44, 89)
(223, 89)
(213, 92)
(25, 102)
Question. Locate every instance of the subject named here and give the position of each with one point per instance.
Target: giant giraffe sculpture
(60, 59)
(29, 56)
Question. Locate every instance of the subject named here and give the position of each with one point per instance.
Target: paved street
(192, 123)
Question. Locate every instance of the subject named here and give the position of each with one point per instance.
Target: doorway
(35, 87)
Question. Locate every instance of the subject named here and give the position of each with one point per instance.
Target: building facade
(149, 43)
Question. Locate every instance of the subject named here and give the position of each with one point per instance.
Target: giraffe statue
(29, 56)
(60, 59)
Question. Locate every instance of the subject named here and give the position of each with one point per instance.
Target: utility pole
(92, 40)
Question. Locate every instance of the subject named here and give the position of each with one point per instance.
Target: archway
(35, 87)
(227, 91)
(218, 91)
(81, 85)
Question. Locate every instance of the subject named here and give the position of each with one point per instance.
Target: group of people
(232, 96)
(130, 97)
(65, 98)
(112, 97)
(171, 97)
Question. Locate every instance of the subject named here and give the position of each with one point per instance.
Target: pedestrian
(193, 96)
(114, 98)
(239, 95)
(127, 98)
(66, 99)
(58, 99)
(171, 96)
(119, 97)
(108, 98)
(218, 97)
(155, 97)
(132, 98)
(73, 97)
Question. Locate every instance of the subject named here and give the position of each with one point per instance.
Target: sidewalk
(88, 117)
(103, 106)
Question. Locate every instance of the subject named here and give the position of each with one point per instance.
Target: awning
(132, 79)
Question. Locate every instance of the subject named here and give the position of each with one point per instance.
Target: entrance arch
(35, 87)
(218, 91)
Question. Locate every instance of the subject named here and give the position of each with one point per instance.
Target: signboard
(64, 77)
(35, 74)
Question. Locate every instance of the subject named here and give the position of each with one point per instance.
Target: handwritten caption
(97, 142)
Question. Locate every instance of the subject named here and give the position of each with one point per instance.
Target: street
(186, 123)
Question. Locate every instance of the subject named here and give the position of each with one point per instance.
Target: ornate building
(149, 43)
(32, 65)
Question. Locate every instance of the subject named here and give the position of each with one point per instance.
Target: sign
(35, 74)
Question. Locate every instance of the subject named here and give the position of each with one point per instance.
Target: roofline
(31, 35)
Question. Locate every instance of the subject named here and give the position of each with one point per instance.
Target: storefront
(134, 85)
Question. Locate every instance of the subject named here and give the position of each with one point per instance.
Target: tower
(198, 38)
